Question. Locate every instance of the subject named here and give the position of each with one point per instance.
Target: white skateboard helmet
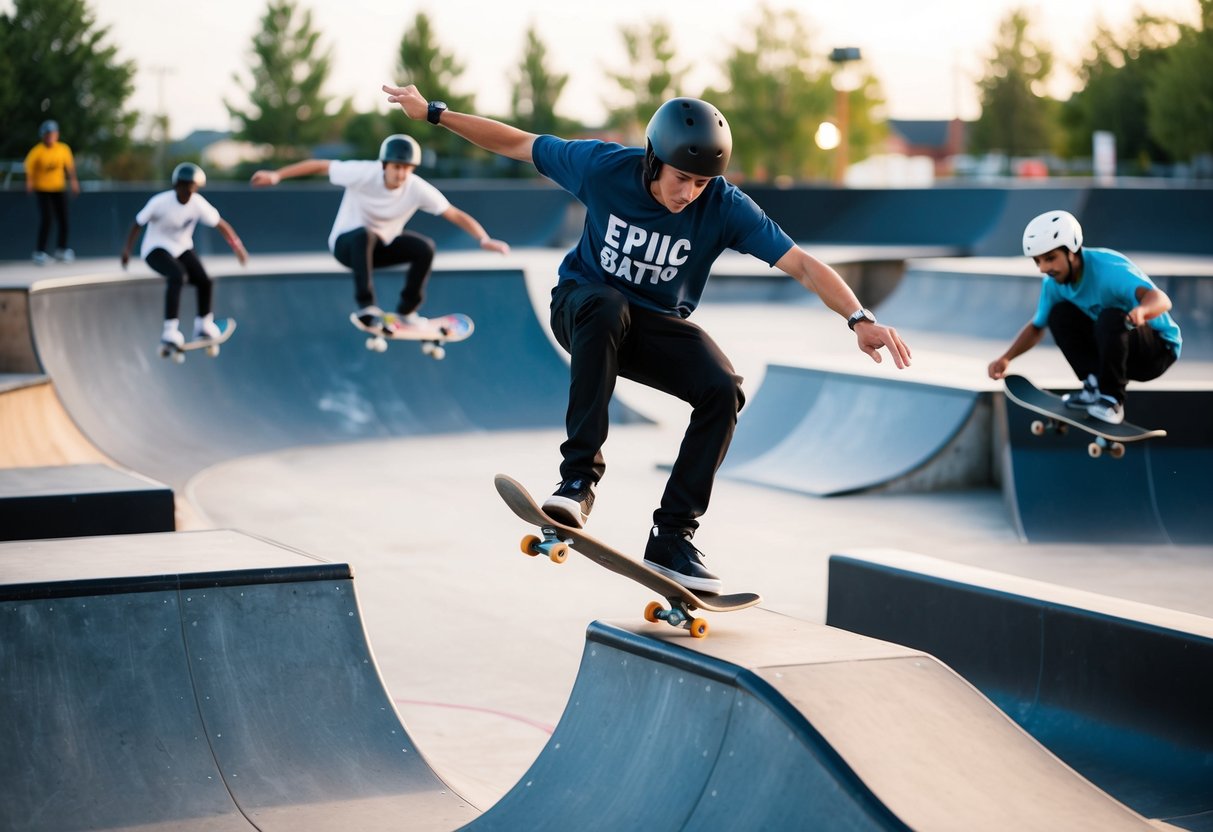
(400, 148)
(189, 172)
(1052, 229)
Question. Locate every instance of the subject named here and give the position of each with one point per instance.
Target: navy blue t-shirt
(660, 260)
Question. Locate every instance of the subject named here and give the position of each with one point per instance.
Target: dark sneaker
(372, 317)
(1084, 398)
(571, 503)
(1107, 409)
(672, 554)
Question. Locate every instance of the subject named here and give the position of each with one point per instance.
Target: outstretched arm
(469, 224)
(493, 136)
(308, 167)
(828, 284)
(1027, 338)
(233, 240)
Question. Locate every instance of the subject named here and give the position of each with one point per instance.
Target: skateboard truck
(551, 544)
(1095, 449)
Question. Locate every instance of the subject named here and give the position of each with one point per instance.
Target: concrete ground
(480, 645)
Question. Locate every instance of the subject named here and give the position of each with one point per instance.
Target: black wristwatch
(434, 113)
(860, 315)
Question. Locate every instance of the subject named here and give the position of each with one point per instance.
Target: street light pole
(844, 82)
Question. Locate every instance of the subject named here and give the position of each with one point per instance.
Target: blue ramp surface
(772, 723)
(198, 681)
(806, 428)
(295, 372)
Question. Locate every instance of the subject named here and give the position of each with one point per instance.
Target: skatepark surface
(297, 436)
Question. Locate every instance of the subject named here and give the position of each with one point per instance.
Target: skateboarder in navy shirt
(656, 220)
(379, 198)
(168, 247)
(1106, 316)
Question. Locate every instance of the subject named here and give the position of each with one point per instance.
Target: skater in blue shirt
(656, 220)
(1106, 316)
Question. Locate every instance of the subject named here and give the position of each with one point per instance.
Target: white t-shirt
(170, 225)
(367, 203)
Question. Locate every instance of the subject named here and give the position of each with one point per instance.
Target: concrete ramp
(295, 373)
(806, 428)
(1157, 493)
(772, 723)
(197, 681)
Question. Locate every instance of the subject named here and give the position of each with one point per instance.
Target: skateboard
(557, 539)
(1058, 417)
(436, 332)
(226, 327)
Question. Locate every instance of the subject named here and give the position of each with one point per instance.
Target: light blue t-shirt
(1109, 281)
(659, 259)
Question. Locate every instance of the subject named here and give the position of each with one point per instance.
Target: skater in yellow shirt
(48, 167)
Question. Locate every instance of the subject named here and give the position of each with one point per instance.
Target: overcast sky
(926, 53)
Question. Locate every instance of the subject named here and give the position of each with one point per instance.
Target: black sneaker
(571, 503)
(672, 554)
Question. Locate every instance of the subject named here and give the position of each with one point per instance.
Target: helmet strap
(652, 165)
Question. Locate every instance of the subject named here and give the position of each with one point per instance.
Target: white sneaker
(205, 327)
(65, 255)
(1084, 398)
(41, 258)
(413, 319)
(172, 335)
(1107, 409)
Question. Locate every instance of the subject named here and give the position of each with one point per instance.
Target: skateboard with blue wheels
(556, 540)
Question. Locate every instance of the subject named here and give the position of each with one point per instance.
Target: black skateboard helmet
(688, 134)
(189, 172)
(400, 148)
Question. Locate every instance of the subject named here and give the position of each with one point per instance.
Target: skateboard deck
(1057, 417)
(226, 327)
(558, 538)
(433, 335)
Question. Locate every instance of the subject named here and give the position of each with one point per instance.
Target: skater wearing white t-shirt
(168, 247)
(380, 197)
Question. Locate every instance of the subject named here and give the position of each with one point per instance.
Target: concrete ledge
(1117, 689)
(81, 500)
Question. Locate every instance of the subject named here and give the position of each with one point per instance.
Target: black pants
(51, 204)
(363, 251)
(178, 271)
(1104, 347)
(607, 337)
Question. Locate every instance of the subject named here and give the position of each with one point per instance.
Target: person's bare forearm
(493, 136)
(308, 167)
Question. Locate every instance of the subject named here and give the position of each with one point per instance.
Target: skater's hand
(410, 100)
(1136, 317)
(872, 337)
(242, 255)
(499, 246)
(998, 368)
(265, 178)
(126, 258)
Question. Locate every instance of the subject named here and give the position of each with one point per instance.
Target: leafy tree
(56, 64)
(287, 105)
(1115, 79)
(651, 77)
(422, 61)
(536, 89)
(1180, 98)
(1014, 114)
(775, 97)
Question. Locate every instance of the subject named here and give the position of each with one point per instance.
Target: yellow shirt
(46, 167)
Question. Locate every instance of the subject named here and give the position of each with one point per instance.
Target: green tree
(422, 61)
(776, 95)
(1180, 98)
(536, 89)
(57, 64)
(1114, 82)
(1014, 112)
(651, 78)
(287, 105)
